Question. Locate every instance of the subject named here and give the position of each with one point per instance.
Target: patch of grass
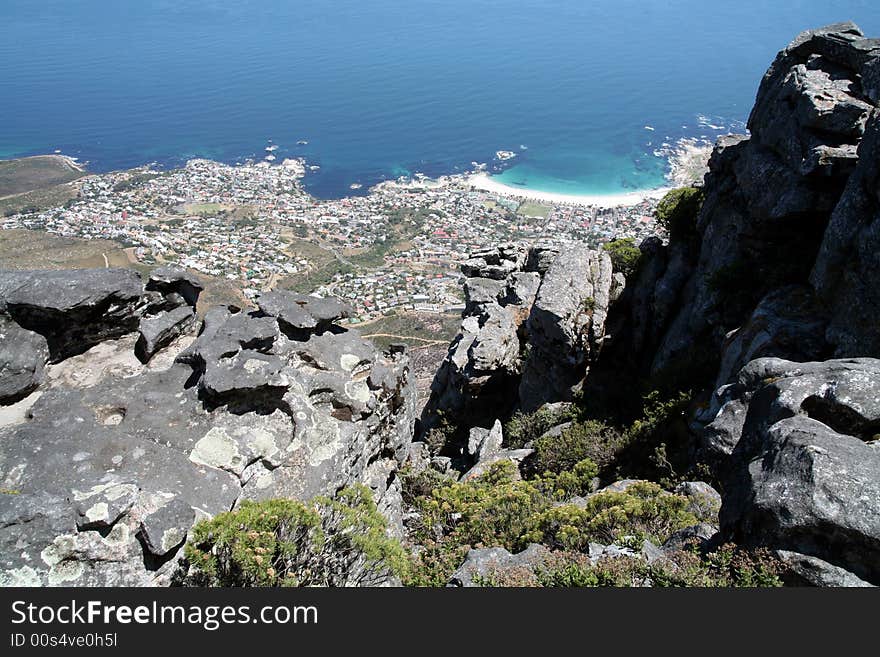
(534, 210)
(30, 173)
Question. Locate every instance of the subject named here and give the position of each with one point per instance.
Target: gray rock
(495, 263)
(802, 476)
(158, 331)
(166, 528)
(566, 326)
(515, 456)
(174, 281)
(786, 324)
(701, 535)
(765, 214)
(73, 310)
(480, 293)
(483, 443)
(243, 414)
(846, 274)
(703, 500)
(815, 572)
(300, 315)
(103, 505)
(482, 566)
(23, 355)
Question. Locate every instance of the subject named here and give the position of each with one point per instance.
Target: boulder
(23, 355)
(482, 567)
(174, 281)
(73, 310)
(566, 326)
(300, 315)
(800, 467)
(160, 330)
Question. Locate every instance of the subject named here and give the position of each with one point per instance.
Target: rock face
(803, 465)
(104, 478)
(768, 199)
(533, 322)
(23, 354)
(779, 273)
(847, 268)
(74, 311)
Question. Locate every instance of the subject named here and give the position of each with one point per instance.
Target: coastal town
(395, 249)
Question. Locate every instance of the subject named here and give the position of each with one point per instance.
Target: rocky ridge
(766, 300)
(127, 419)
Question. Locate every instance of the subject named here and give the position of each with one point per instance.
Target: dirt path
(427, 342)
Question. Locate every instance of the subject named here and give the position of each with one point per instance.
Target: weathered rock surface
(116, 460)
(566, 327)
(171, 281)
(768, 200)
(23, 354)
(73, 310)
(161, 330)
(847, 270)
(534, 321)
(801, 469)
(483, 566)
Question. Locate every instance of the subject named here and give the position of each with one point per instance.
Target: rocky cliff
(763, 303)
(126, 419)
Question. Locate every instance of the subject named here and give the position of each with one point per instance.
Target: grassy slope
(39, 172)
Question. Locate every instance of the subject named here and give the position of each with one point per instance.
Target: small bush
(677, 211)
(327, 542)
(591, 439)
(625, 255)
(524, 428)
(643, 511)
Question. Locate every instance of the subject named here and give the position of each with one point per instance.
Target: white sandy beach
(484, 182)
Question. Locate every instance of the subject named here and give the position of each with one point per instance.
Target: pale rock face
(116, 459)
(534, 320)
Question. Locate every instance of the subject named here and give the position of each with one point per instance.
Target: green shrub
(326, 542)
(625, 255)
(643, 511)
(677, 211)
(524, 428)
(591, 439)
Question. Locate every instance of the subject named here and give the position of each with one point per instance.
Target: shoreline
(483, 182)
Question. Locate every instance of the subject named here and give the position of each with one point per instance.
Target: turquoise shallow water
(390, 87)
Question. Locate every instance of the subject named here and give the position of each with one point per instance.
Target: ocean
(589, 95)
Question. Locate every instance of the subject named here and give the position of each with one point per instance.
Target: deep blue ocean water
(383, 88)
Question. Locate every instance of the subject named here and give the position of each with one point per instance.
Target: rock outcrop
(534, 321)
(768, 199)
(802, 471)
(117, 458)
